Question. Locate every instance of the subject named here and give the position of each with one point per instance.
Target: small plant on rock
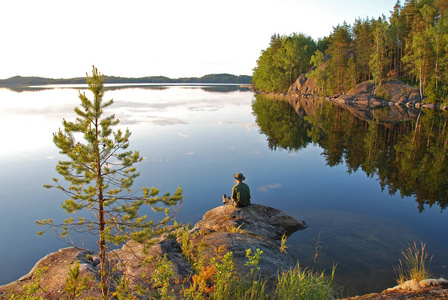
(414, 265)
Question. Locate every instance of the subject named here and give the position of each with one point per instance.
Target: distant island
(211, 78)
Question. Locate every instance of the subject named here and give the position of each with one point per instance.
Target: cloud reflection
(268, 187)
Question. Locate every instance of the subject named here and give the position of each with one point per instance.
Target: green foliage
(253, 260)
(282, 62)
(31, 291)
(74, 284)
(339, 50)
(414, 265)
(161, 276)
(378, 59)
(123, 290)
(281, 124)
(299, 283)
(412, 44)
(219, 280)
(283, 245)
(100, 173)
(320, 73)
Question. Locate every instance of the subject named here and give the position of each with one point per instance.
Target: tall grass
(414, 264)
(223, 282)
(304, 284)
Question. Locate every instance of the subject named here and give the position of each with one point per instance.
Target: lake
(366, 189)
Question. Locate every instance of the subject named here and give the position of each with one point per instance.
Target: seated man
(240, 193)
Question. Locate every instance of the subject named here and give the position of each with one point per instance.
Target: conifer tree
(378, 58)
(339, 50)
(100, 173)
(363, 46)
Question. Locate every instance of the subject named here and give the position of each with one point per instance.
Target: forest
(211, 78)
(412, 45)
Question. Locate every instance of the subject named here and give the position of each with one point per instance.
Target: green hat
(239, 176)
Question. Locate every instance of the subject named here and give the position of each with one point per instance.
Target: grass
(304, 284)
(414, 264)
(220, 280)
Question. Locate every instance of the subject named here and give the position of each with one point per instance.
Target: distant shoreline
(207, 79)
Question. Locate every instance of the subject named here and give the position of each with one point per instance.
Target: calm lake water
(356, 183)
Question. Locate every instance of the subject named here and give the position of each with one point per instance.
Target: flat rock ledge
(436, 289)
(222, 229)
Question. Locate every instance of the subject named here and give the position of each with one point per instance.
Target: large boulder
(252, 227)
(223, 229)
(254, 219)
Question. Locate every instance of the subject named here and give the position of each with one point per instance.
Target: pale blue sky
(174, 38)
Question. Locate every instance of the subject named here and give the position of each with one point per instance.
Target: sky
(173, 38)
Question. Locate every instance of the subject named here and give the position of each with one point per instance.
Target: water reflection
(406, 149)
(215, 88)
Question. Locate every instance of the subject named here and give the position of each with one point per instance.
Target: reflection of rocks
(395, 95)
(390, 93)
(389, 115)
(225, 228)
(385, 115)
(361, 100)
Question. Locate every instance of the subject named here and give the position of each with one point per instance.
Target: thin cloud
(268, 187)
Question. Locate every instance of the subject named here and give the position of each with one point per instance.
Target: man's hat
(239, 176)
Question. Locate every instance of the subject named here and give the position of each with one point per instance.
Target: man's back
(241, 194)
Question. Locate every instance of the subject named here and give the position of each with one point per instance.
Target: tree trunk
(102, 242)
(102, 246)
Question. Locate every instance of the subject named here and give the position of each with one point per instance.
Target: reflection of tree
(280, 123)
(422, 160)
(407, 157)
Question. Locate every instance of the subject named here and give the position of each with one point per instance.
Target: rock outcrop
(402, 100)
(392, 92)
(304, 85)
(225, 228)
(436, 289)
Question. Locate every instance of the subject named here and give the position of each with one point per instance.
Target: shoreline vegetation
(411, 45)
(210, 78)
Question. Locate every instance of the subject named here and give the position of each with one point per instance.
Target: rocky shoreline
(226, 228)
(392, 92)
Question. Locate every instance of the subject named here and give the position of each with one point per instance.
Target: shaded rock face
(304, 85)
(225, 228)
